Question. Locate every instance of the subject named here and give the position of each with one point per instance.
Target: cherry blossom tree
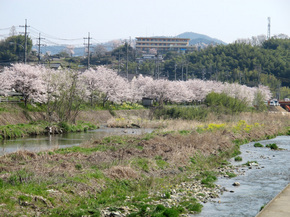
(91, 82)
(65, 90)
(25, 79)
(65, 94)
(191, 90)
(108, 85)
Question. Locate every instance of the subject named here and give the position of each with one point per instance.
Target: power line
(4, 29)
(57, 38)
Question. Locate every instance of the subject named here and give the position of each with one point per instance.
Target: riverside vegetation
(169, 172)
(39, 126)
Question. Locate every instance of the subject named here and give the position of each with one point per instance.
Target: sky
(106, 20)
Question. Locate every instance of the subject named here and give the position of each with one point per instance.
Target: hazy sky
(226, 20)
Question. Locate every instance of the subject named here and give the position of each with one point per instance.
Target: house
(56, 66)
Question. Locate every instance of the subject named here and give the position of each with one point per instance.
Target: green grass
(85, 150)
(192, 205)
(79, 127)
(231, 175)
(160, 162)
(184, 132)
(110, 192)
(37, 107)
(39, 128)
(208, 179)
(21, 130)
(141, 163)
(158, 211)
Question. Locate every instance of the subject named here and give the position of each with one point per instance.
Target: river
(259, 185)
(40, 143)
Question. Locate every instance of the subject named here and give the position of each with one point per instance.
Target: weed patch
(272, 146)
(238, 158)
(185, 113)
(231, 175)
(257, 144)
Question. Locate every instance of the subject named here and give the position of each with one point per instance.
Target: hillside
(196, 38)
(267, 64)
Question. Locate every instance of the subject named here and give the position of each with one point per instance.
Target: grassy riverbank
(42, 127)
(138, 175)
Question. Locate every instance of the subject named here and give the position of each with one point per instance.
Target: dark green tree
(12, 49)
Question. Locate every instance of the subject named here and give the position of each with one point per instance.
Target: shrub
(238, 158)
(185, 113)
(258, 145)
(221, 103)
(272, 146)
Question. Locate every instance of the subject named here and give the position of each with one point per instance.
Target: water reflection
(39, 143)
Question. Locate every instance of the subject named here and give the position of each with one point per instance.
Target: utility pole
(25, 45)
(186, 77)
(175, 71)
(203, 74)
(39, 44)
(88, 44)
(127, 57)
(119, 61)
(182, 71)
(269, 28)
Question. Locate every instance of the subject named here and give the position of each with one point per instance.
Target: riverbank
(169, 172)
(13, 114)
(16, 122)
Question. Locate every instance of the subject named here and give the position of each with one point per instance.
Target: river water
(259, 185)
(40, 143)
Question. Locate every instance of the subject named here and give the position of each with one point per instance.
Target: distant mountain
(78, 51)
(196, 38)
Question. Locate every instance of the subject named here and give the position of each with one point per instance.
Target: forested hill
(196, 38)
(240, 62)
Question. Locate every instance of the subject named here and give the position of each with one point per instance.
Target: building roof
(164, 38)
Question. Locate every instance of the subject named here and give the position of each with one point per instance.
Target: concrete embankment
(279, 206)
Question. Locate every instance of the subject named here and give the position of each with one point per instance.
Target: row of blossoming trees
(64, 89)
